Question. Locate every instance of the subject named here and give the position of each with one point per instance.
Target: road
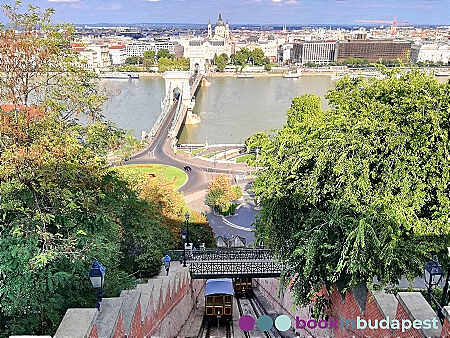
(157, 153)
(160, 152)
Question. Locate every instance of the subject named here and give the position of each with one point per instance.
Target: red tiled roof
(117, 47)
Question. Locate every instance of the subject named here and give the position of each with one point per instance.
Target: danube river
(231, 109)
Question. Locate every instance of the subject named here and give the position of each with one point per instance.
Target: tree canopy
(360, 190)
(61, 206)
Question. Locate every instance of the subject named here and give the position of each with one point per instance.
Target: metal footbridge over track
(230, 263)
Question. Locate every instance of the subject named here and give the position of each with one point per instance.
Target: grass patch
(175, 176)
(230, 210)
(211, 154)
(196, 151)
(245, 158)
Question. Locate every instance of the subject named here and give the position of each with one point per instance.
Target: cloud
(291, 2)
(276, 1)
(78, 5)
(152, 0)
(111, 7)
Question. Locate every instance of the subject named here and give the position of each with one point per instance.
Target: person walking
(166, 261)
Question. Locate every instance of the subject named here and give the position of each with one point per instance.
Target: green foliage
(245, 56)
(165, 64)
(221, 193)
(133, 60)
(268, 67)
(217, 200)
(360, 190)
(164, 53)
(224, 57)
(60, 205)
(257, 56)
(128, 68)
(149, 55)
(220, 62)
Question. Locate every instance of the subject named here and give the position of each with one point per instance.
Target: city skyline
(259, 12)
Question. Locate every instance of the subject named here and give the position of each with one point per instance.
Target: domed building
(201, 51)
(221, 30)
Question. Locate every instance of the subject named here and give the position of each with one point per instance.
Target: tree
(164, 53)
(224, 57)
(219, 62)
(165, 64)
(258, 56)
(149, 55)
(360, 190)
(220, 193)
(44, 73)
(133, 60)
(60, 204)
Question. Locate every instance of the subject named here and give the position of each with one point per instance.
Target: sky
(260, 12)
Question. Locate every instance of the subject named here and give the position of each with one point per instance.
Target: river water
(231, 109)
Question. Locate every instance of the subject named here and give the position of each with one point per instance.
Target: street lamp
(97, 277)
(183, 237)
(187, 225)
(433, 275)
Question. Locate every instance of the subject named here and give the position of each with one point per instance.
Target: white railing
(179, 110)
(165, 107)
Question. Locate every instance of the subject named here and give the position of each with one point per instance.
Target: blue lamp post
(433, 275)
(183, 237)
(97, 277)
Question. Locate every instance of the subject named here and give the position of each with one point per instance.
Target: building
(373, 50)
(268, 45)
(88, 56)
(221, 30)
(201, 51)
(137, 48)
(117, 54)
(319, 52)
(430, 52)
(102, 51)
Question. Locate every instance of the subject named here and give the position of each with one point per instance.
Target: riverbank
(234, 74)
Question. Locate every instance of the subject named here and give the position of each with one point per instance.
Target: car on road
(187, 168)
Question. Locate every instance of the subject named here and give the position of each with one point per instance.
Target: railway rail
(210, 330)
(249, 304)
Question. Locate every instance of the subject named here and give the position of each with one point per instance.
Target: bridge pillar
(178, 81)
(198, 63)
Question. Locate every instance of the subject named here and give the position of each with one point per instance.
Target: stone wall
(373, 310)
(162, 307)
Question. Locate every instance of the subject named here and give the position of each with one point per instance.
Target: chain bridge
(176, 107)
(230, 263)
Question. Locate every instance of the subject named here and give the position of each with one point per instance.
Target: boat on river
(291, 75)
(245, 76)
(119, 75)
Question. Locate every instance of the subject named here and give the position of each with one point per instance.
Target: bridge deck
(230, 269)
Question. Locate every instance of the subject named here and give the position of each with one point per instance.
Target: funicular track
(249, 304)
(212, 329)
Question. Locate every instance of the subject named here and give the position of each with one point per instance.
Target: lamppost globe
(97, 275)
(187, 215)
(433, 273)
(97, 278)
(183, 235)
